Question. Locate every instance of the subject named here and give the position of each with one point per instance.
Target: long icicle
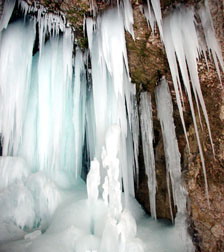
(147, 144)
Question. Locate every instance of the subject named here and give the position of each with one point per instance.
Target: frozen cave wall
(147, 62)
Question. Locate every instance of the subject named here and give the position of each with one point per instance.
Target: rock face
(147, 62)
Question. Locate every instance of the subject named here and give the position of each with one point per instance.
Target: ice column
(79, 104)
(93, 181)
(172, 155)
(111, 82)
(111, 164)
(147, 144)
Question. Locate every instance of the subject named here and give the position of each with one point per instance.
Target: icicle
(153, 15)
(150, 16)
(147, 143)
(135, 133)
(172, 155)
(79, 99)
(48, 23)
(158, 15)
(210, 37)
(165, 114)
(7, 13)
(184, 50)
(170, 52)
(90, 27)
(128, 17)
(26, 8)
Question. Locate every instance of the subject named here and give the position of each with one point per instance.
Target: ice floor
(75, 225)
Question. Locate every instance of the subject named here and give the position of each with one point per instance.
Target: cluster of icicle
(184, 46)
(175, 186)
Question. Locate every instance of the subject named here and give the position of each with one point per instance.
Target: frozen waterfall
(63, 110)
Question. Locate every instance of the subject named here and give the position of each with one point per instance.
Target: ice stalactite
(149, 14)
(128, 17)
(173, 164)
(183, 50)
(210, 37)
(79, 109)
(183, 44)
(48, 23)
(153, 15)
(158, 15)
(135, 129)
(148, 151)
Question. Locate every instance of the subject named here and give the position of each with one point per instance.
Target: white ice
(147, 144)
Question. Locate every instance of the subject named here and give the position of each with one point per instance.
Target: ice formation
(148, 151)
(93, 181)
(51, 113)
(47, 115)
(149, 14)
(111, 83)
(210, 37)
(184, 50)
(181, 35)
(153, 14)
(173, 166)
